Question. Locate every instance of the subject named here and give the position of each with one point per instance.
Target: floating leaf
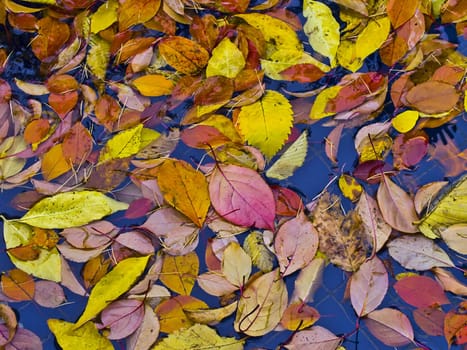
(185, 189)
(430, 320)
(154, 85)
(418, 253)
(122, 317)
(290, 160)
(261, 305)
(322, 29)
(308, 281)
(260, 255)
(147, 333)
(455, 237)
(70, 209)
(236, 264)
(51, 36)
(400, 11)
(226, 60)
(111, 286)
(420, 291)
(350, 187)
(316, 337)
(104, 16)
(242, 197)
(70, 337)
(396, 206)
(211, 316)
(179, 272)
(18, 285)
(432, 97)
(49, 294)
(368, 286)
(299, 316)
(266, 124)
(98, 56)
(296, 243)
(390, 326)
(198, 336)
(449, 282)
(132, 12)
(405, 121)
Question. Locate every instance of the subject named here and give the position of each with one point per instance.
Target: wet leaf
(418, 253)
(299, 316)
(420, 291)
(226, 60)
(70, 337)
(405, 121)
(266, 124)
(236, 264)
(104, 16)
(133, 12)
(433, 97)
(400, 12)
(296, 244)
(185, 189)
(179, 272)
(17, 285)
(8, 317)
(261, 305)
(242, 197)
(449, 282)
(51, 36)
(49, 294)
(122, 318)
(198, 336)
(111, 286)
(315, 338)
(70, 209)
(368, 286)
(430, 320)
(211, 316)
(147, 333)
(390, 326)
(98, 57)
(260, 255)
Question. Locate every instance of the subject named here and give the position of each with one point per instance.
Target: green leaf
(226, 60)
(47, 266)
(104, 17)
(71, 209)
(266, 124)
(111, 286)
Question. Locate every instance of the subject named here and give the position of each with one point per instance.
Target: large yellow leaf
(179, 272)
(70, 209)
(226, 60)
(154, 85)
(322, 29)
(261, 305)
(198, 336)
(98, 56)
(127, 143)
(104, 17)
(266, 124)
(111, 286)
(185, 189)
(47, 266)
(86, 337)
(293, 158)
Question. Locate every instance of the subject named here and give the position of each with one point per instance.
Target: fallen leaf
(122, 318)
(132, 12)
(18, 285)
(315, 338)
(226, 60)
(430, 320)
(179, 272)
(390, 326)
(420, 291)
(236, 265)
(260, 255)
(432, 97)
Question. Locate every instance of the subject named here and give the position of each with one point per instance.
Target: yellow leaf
(98, 56)
(266, 124)
(47, 266)
(86, 337)
(260, 255)
(185, 189)
(318, 110)
(127, 143)
(322, 29)
(280, 61)
(349, 187)
(211, 316)
(450, 210)
(291, 159)
(54, 163)
(154, 85)
(226, 60)
(179, 272)
(71, 209)
(236, 264)
(261, 305)
(104, 17)
(405, 121)
(224, 125)
(10, 166)
(17, 8)
(465, 102)
(198, 336)
(111, 286)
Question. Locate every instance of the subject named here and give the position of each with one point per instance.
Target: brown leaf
(51, 36)
(17, 285)
(400, 11)
(433, 97)
(341, 238)
(132, 12)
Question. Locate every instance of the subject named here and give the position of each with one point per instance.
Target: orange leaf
(185, 189)
(52, 35)
(77, 144)
(179, 272)
(107, 111)
(25, 253)
(36, 130)
(433, 97)
(18, 285)
(132, 12)
(299, 316)
(185, 55)
(60, 84)
(54, 163)
(400, 11)
(133, 47)
(94, 270)
(154, 85)
(63, 103)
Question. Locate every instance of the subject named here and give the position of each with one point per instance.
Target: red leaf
(242, 197)
(420, 291)
(430, 320)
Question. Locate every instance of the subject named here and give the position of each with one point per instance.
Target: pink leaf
(123, 317)
(368, 286)
(94, 235)
(315, 338)
(24, 340)
(296, 244)
(136, 241)
(390, 326)
(242, 197)
(147, 332)
(138, 208)
(420, 291)
(49, 294)
(430, 320)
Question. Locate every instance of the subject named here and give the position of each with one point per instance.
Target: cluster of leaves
(122, 83)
